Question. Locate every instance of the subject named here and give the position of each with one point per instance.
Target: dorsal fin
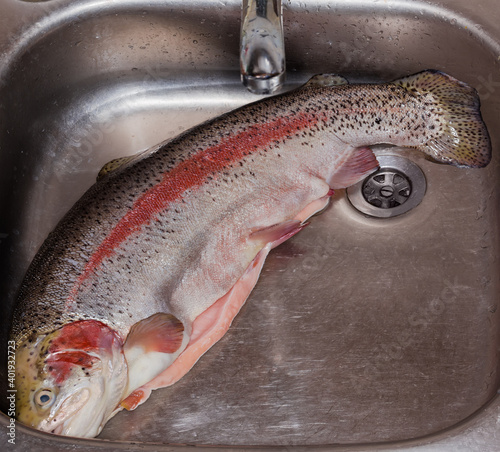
(327, 80)
(122, 162)
(113, 165)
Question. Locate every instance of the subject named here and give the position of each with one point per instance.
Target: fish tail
(458, 135)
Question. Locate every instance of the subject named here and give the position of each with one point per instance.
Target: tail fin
(459, 136)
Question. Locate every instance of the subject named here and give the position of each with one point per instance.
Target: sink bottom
(379, 352)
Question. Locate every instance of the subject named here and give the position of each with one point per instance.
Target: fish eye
(44, 398)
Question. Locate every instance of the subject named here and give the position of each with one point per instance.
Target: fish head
(71, 381)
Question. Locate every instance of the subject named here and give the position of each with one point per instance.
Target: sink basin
(363, 333)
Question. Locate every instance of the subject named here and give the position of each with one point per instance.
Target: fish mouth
(61, 420)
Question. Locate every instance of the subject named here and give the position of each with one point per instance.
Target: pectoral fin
(159, 333)
(152, 345)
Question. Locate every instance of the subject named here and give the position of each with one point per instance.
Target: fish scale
(165, 248)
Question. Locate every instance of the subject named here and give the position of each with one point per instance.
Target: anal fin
(359, 163)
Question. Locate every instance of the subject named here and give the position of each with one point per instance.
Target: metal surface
(396, 188)
(363, 333)
(262, 48)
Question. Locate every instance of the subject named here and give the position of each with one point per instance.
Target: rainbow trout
(147, 271)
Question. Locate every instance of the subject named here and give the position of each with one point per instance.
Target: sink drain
(397, 187)
(387, 189)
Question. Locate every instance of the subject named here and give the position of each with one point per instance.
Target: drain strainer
(397, 187)
(387, 189)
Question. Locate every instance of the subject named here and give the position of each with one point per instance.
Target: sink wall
(361, 331)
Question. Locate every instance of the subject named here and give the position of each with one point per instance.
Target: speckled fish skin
(173, 230)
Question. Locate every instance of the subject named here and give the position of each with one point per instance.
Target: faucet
(262, 46)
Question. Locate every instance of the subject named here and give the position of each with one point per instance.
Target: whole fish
(147, 271)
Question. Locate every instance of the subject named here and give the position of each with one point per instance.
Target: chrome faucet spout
(262, 46)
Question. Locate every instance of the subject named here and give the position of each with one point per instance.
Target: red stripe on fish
(191, 174)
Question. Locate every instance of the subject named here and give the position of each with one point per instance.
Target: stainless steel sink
(363, 333)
